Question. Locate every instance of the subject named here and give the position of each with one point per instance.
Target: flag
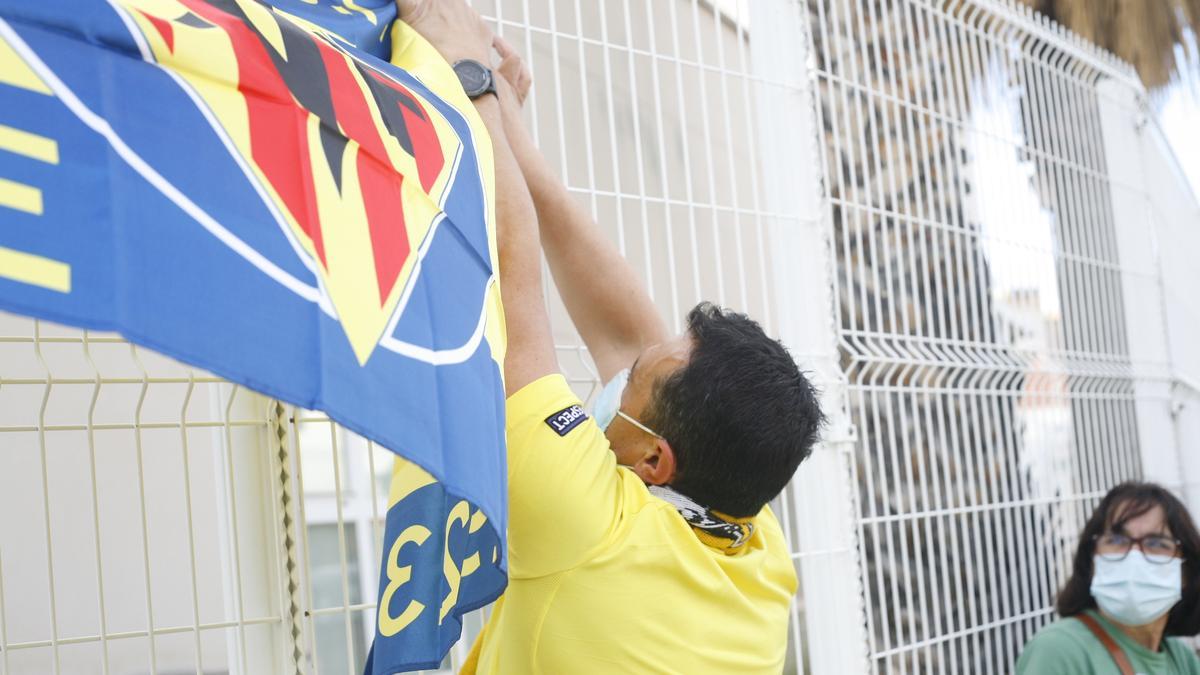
(253, 188)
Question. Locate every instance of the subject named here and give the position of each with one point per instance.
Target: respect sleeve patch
(563, 421)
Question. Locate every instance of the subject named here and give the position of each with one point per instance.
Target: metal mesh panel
(981, 315)
(133, 511)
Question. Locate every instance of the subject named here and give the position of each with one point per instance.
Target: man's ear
(658, 466)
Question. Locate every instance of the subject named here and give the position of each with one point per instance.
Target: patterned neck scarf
(714, 528)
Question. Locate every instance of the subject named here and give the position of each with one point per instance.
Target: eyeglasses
(1156, 548)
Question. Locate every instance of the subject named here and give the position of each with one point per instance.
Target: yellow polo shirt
(606, 578)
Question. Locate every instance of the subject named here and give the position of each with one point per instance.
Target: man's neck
(1149, 636)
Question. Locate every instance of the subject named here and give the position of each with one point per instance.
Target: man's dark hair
(1123, 503)
(740, 416)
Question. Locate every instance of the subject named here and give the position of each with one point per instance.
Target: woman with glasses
(1135, 581)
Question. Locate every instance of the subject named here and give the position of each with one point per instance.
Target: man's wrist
(489, 104)
(453, 56)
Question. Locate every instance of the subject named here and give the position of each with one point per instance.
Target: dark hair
(1123, 503)
(739, 415)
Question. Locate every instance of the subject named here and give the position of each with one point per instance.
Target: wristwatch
(475, 77)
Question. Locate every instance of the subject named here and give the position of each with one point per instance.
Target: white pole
(244, 494)
(821, 496)
(1123, 125)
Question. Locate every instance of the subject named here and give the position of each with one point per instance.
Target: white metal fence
(964, 222)
(981, 316)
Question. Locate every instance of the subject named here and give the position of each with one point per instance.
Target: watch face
(474, 76)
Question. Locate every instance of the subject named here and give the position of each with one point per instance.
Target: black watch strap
(476, 79)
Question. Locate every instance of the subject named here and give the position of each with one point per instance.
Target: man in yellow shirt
(639, 537)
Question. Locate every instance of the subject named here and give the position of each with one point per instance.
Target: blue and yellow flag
(297, 196)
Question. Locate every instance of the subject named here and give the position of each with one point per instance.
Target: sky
(1180, 119)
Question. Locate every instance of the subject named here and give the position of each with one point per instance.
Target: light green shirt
(1068, 647)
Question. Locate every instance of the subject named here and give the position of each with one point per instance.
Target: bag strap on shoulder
(1111, 645)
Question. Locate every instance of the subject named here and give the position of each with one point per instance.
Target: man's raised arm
(457, 32)
(602, 292)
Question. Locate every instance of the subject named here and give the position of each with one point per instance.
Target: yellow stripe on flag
(20, 196)
(352, 6)
(14, 71)
(35, 270)
(28, 144)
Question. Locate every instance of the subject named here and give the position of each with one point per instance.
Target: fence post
(283, 466)
(820, 508)
(1123, 120)
(243, 501)
(1156, 214)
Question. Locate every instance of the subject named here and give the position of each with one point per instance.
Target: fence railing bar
(341, 543)
(301, 495)
(707, 161)
(689, 189)
(240, 603)
(965, 632)
(189, 520)
(141, 472)
(45, 476)
(982, 508)
(114, 426)
(91, 444)
(130, 634)
(4, 647)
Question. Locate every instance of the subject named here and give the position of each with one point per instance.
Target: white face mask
(604, 410)
(1135, 591)
(608, 404)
